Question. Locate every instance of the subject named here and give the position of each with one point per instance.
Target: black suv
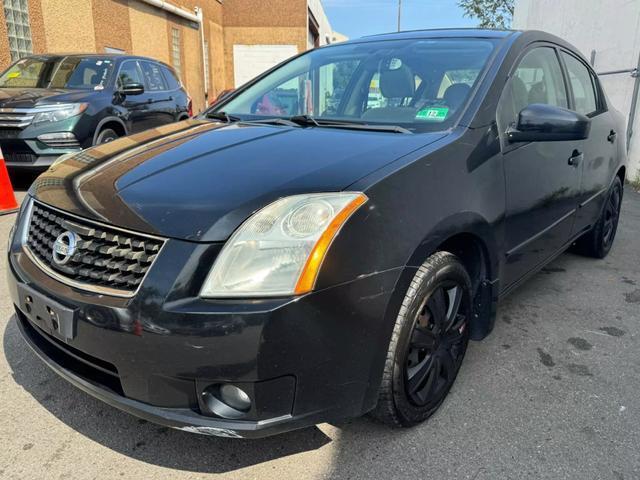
(56, 104)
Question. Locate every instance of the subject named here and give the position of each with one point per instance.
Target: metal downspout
(205, 74)
(634, 102)
(196, 17)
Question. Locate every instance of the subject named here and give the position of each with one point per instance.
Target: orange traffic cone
(8, 202)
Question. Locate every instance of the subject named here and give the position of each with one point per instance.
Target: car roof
(440, 33)
(114, 56)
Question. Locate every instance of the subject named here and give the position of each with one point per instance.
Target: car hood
(31, 97)
(198, 180)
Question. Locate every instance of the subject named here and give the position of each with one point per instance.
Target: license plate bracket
(49, 315)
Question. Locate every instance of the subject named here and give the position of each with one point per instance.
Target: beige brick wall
(5, 56)
(218, 81)
(149, 35)
(112, 25)
(192, 66)
(68, 26)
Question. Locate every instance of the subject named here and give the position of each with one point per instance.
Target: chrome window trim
(139, 61)
(87, 287)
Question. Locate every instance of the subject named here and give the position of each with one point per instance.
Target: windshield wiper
(318, 122)
(224, 116)
(273, 121)
(304, 120)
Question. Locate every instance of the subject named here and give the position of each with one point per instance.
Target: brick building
(213, 44)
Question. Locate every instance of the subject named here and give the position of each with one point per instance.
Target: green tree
(490, 13)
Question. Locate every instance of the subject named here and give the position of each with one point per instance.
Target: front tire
(428, 342)
(105, 136)
(597, 243)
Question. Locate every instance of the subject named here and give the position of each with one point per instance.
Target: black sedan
(324, 241)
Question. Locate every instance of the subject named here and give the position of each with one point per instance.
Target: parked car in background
(310, 263)
(56, 104)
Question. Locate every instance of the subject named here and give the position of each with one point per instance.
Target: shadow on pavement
(137, 438)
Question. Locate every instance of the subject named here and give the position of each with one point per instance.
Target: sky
(356, 18)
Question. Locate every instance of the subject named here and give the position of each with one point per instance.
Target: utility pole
(399, 13)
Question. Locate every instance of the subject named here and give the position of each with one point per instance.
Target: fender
(106, 120)
(486, 295)
(460, 223)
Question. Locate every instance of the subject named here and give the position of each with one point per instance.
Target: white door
(249, 61)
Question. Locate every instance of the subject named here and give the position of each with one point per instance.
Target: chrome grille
(16, 117)
(106, 260)
(20, 157)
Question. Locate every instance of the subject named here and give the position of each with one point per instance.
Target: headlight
(279, 250)
(55, 113)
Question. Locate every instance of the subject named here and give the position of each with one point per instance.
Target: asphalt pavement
(552, 393)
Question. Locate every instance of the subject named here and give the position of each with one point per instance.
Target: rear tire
(598, 241)
(105, 136)
(428, 342)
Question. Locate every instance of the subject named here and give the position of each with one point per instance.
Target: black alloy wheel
(437, 346)
(612, 215)
(599, 240)
(428, 342)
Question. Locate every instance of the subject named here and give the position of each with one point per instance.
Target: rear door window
(584, 94)
(170, 78)
(153, 77)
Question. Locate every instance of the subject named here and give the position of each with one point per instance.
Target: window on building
(206, 66)
(176, 51)
(16, 14)
(117, 51)
(582, 85)
(313, 40)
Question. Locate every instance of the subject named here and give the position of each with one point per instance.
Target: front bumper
(180, 418)
(23, 150)
(307, 360)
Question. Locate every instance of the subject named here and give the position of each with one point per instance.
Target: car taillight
(190, 108)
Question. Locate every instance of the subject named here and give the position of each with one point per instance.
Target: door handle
(575, 158)
(612, 136)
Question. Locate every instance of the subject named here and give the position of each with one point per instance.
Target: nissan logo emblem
(64, 247)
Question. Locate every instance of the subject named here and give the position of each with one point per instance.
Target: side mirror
(547, 123)
(132, 89)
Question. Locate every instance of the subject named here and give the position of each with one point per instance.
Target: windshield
(418, 84)
(61, 72)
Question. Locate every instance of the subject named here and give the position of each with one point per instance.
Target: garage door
(250, 61)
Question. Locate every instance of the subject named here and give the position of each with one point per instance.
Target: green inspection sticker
(433, 114)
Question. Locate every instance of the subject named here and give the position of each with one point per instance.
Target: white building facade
(607, 32)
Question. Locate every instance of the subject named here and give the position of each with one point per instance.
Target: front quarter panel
(455, 185)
